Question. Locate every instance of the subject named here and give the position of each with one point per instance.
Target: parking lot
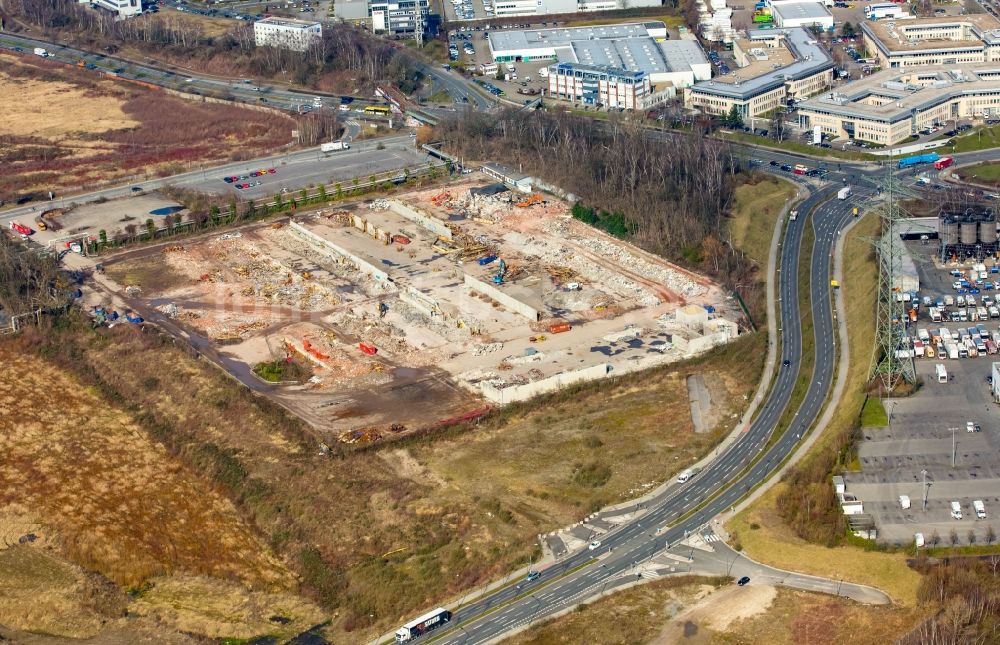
(957, 416)
(918, 440)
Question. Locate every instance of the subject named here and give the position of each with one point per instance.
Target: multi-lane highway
(683, 509)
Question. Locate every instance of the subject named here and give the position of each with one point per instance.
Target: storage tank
(949, 232)
(988, 232)
(968, 232)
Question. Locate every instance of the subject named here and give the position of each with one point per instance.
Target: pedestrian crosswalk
(711, 537)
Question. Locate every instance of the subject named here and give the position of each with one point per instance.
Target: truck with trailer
(422, 625)
(916, 160)
(943, 162)
(333, 146)
(980, 508)
(935, 314)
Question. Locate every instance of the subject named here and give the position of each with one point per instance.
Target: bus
(377, 109)
(422, 625)
(800, 169)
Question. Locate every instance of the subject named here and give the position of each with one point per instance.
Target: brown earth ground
(68, 128)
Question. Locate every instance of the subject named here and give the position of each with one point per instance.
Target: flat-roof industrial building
(778, 65)
(802, 14)
(630, 47)
(889, 106)
(951, 40)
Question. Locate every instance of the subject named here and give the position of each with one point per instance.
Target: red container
(371, 350)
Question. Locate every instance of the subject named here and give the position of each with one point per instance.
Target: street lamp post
(924, 474)
(953, 446)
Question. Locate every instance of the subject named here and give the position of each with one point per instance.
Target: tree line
(671, 193)
(344, 48)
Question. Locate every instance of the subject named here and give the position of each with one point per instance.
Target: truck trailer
(334, 145)
(422, 625)
(41, 51)
(916, 160)
(844, 192)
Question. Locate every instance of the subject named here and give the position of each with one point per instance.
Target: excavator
(501, 274)
(530, 200)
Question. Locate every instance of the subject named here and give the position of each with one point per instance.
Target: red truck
(20, 228)
(943, 163)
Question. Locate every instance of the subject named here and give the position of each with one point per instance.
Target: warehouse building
(954, 40)
(777, 65)
(599, 85)
(286, 33)
(628, 48)
(513, 8)
(802, 14)
(889, 106)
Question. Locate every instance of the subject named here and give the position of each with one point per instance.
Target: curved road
(662, 522)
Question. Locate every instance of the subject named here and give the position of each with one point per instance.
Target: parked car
(745, 580)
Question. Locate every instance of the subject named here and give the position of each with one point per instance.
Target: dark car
(533, 575)
(743, 581)
(136, 189)
(775, 163)
(786, 167)
(786, 362)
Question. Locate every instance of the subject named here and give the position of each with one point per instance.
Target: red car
(271, 171)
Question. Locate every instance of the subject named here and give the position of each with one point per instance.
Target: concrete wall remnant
(429, 222)
(503, 298)
(505, 395)
(332, 249)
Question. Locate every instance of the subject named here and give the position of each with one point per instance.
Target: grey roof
(506, 40)
(350, 9)
(810, 59)
(624, 46)
(801, 10)
(906, 99)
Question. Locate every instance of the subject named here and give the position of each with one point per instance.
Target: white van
(918, 539)
(956, 510)
(904, 501)
(980, 508)
(684, 476)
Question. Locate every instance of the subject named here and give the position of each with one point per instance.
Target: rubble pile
(380, 204)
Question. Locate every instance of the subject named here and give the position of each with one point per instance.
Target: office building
(777, 65)
(889, 106)
(598, 85)
(286, 33)
(952, 40)
(399, 18)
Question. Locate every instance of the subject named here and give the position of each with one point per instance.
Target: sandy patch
(717, 611)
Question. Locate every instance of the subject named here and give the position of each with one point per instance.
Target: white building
(887, 10)
(286, 33)
(401, 18)
(598, 85)
(121, 8)
(630, 47)
(802, 14)
(614, 5)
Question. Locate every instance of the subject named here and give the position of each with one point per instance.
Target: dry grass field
(376, 535)
(713, 611)
(108, 509)
(69, 128)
